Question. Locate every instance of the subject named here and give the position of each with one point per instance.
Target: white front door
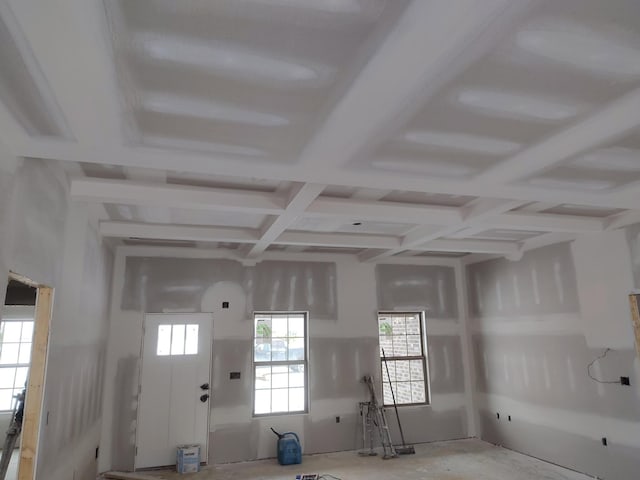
(173, 406)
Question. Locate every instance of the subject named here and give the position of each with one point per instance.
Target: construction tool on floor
(12, 434)
(366, 418)
(404, 449)
(373, 416)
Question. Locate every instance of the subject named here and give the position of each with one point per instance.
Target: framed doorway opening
(32, 409)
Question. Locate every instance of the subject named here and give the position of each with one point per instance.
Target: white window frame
(12, 314)
(423, 357)
(259, 363)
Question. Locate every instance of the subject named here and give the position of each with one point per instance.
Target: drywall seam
(473, 421)
(104, 460)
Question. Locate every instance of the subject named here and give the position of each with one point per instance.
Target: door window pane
(191, 341)
(177, 340)
(164, 340)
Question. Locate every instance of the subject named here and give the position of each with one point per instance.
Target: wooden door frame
(35, 387)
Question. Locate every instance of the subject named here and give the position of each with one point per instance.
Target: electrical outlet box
(498, 416)
(338, 419)
(225, 304)
(624, 381)
(509, 417)
(604, 441)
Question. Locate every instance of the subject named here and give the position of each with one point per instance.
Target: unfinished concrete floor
(469, 459)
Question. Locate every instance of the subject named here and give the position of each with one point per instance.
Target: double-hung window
(403, 343)
(15, 356)
(280, 363)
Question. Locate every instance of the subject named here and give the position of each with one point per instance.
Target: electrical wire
(594, 361)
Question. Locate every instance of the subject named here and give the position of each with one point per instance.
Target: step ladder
(373, 418)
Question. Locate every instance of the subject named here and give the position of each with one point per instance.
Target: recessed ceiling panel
(583, 210)
(505, 234)
(100, 170)
(560, 63)
(338, 225)
(339, 250)
(223, 181)
(179, 216)
(238, 78)
(422, 198)
(414, 253)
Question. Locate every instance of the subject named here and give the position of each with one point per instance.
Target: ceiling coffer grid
(338, 127)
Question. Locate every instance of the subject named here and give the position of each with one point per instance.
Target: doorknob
(204, 398)
(204, 386)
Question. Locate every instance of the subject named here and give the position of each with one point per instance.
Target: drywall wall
(51, 241)
(537, 324)
(340, 296)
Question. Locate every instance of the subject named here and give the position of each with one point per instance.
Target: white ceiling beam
(152, 231)
(176, 196)
(300, 198)
(429, 44)
(241, 235)
(545, 222)
(473, 213)
(216, 164)
(547, 239)
(610, 122)
(78, 65)
(383, 211)
(469, 231)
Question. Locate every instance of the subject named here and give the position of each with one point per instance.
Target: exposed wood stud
(35, 389)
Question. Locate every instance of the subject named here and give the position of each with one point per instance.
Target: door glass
(191, 341)
(177, 340)
(164, 340)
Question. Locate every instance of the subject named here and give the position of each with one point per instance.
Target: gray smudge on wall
(157, 285)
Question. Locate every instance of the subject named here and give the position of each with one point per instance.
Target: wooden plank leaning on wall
(33, 404)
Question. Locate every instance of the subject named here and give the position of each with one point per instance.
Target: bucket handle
(291, 433)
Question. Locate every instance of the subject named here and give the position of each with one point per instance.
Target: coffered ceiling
(364, 127)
